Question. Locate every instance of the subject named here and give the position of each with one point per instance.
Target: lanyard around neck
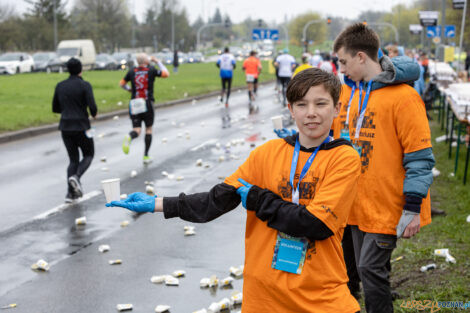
(362, 107)
(295, 159)
(349, 105)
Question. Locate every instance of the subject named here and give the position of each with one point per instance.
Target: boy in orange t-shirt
(387, 125)
(298, 192)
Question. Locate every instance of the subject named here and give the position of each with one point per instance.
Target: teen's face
(350, 65)
(314, 114)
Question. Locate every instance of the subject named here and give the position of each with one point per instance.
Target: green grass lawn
(449, 282)
(26, 99)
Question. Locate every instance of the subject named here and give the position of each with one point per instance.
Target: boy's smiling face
(314, 114)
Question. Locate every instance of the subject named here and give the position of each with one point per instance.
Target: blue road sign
(264, 33)
(433, 31)
(450, 31)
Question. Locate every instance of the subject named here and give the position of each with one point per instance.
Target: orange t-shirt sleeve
(412, 124)
(334, 198)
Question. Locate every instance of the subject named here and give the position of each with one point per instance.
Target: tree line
(111, 25)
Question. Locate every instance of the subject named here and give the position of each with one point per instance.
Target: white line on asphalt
(63, 206)
(205, 143)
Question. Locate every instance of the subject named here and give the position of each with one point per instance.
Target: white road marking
(205, 143)
(64, 206)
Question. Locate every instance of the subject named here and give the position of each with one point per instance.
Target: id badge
(289, 253)
(358, 148)
(345, 134)
(250, 78)
(137, 106)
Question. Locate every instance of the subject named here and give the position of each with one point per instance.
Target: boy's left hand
(243, 191)
(138, 202)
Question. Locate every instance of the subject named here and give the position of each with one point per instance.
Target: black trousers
(75, 141)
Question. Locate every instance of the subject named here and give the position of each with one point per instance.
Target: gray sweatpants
(373, 253)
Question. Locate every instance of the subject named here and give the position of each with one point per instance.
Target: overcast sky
(269, 10)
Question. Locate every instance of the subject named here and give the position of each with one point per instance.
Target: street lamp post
(55, 22)
(397, 37)
(304, 31)
(198, 35)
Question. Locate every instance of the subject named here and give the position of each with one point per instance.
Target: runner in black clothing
(141, 109)
(72, 97)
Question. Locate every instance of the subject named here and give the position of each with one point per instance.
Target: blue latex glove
(243, 191)
(137, 202)
(284, 132)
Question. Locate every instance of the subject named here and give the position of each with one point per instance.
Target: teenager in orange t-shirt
(298, 192)
(388, 127)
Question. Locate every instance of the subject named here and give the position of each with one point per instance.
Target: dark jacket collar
(330, 145)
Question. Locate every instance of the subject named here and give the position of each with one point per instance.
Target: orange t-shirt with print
(395, 123)
(327, 191)
(338, 122)
(252, 66)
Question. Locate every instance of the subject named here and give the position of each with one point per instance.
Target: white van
(82, 49)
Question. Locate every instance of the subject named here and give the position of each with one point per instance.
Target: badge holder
(289, 253)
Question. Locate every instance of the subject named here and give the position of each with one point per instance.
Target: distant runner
(141, 109)
(227, 64)
(252, 67)
(286, 64)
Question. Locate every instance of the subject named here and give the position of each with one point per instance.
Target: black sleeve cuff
(170, 207)
(252, 198)
(413, 203)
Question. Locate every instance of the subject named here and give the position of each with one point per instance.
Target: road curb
(44, 129)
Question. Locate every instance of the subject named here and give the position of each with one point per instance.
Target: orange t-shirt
(327, 191)
(395, 123)
(252, 66)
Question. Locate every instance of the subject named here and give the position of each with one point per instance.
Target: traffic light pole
(304, 32)
(397, 37)
(198, 37)
(462, 28)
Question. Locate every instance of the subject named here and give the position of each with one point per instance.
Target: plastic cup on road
(112, 189)
(277, 121)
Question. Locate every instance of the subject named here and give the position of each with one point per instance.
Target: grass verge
(448, 282)
(26, 99)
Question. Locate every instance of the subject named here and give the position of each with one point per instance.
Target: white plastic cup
(112, 189)
(277, 121)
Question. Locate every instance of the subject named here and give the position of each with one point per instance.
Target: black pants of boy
(75, 141)
(373, 253)
(350, 261)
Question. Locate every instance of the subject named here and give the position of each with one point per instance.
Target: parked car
(124, 60)
(105, 62)
(82, 49)
(16, 62)
(47, 62)
(195, 57)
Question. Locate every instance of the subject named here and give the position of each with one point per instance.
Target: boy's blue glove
(284, 132)
(137, 202)
(243, 191)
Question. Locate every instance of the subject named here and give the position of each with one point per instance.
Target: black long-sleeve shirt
(71, 99)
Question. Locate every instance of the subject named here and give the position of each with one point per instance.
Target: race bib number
(250, 78)
(137, 106)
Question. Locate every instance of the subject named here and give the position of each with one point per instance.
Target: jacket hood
(396, 71)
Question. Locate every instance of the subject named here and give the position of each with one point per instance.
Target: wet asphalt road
(35, 223)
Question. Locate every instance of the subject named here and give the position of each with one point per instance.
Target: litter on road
(124, 307)
(103, 159)
(115, 262)
(179, 273)
(236, 271)
(171, 281)
(199, 162)
(227, 281)
(41, 265)
(219, 306)
(133, 173)
(10, 306)
(158, 279)
(124, 223)
(80, 221)
(103, 248)
(162, 308)
(236, 298)
(179, 178)
(204, 283)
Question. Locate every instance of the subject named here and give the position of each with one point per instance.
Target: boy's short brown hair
(311, 77)
(358, 37)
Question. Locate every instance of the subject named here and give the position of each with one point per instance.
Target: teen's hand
(137, 202)
(408, 225)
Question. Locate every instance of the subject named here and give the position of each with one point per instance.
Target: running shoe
(74, 181)
(126, 144)
(69, 197)
(147, 159)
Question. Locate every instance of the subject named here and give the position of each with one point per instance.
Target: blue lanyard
(346, 123)
(362, 106)
(295, 159)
